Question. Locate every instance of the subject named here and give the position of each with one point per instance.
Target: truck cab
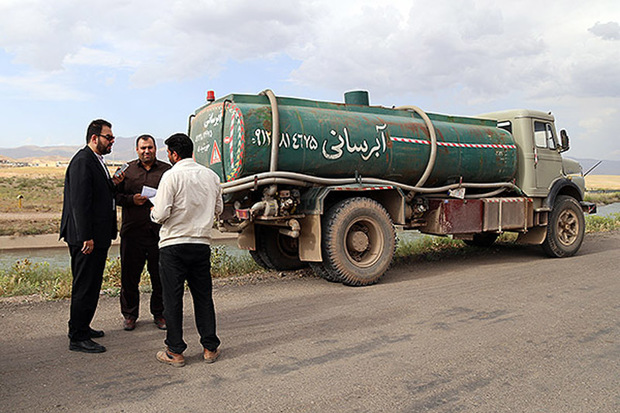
(539, 159)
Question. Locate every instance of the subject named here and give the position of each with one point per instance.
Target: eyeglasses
(108, 137)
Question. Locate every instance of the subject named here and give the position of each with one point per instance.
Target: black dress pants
(135, 252)
(191, 262)
(87, 270)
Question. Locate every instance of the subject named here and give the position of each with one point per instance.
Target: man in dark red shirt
(139, 235)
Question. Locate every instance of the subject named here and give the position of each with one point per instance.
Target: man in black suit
(88, 226)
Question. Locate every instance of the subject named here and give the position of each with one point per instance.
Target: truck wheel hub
(357, 241)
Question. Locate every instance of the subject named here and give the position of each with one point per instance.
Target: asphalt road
(504, 330)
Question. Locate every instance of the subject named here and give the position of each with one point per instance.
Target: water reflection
(60, 258)
(608, 209)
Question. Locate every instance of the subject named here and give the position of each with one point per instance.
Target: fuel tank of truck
(232, 136)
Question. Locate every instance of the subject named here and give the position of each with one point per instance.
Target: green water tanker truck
(325, 184)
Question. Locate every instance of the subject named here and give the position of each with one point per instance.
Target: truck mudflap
(588, 207)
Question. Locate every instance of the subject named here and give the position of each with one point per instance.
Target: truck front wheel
(358, 241)
(566, 228)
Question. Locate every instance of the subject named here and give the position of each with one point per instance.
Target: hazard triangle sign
(215, 154)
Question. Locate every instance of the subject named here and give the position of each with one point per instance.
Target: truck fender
(562, 186)
(316, 201)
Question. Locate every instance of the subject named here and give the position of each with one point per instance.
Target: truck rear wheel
(320, 270)
(277, 251)
(566, 228)
(358, 241)
(258, 260)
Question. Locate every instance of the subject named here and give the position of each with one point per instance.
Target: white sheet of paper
(148, 192)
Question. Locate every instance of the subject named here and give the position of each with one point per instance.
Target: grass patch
(608, 182)
(427, 248)
(595, 223)
(33, 226)
(602, 198)
(32, 171)
(41, 194)
(25, 277)
(226, 265)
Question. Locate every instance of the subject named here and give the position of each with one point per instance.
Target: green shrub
(602, 198)
(25, 277)
(226, 265)
(595, 223)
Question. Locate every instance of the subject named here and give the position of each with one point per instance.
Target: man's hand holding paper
(148, 192)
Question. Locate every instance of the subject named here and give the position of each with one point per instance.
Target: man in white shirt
(188, 198)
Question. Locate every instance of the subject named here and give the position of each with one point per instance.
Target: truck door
(547, 159)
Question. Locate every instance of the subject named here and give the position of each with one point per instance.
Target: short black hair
(181, 144)
(145, 137)
(95, 128)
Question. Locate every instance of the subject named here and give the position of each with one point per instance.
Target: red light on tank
(210, 96)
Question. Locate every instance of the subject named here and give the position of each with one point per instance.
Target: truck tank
(232, 136)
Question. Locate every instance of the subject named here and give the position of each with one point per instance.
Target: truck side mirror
(565, 144)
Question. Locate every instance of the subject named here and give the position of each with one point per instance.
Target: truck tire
(278, 251)
(482, 240)
(320, 270)
(358, 241)
(566, 228)
(258, 260)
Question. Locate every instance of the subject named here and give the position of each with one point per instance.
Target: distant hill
(124, 149)
(32, 151)
(605, 168)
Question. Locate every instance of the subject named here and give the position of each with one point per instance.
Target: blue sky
(146, 65)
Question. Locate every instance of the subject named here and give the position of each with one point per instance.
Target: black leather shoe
(86, 346)
(93, 334)
(96, 333)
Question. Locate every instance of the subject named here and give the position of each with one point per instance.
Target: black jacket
(88, 210)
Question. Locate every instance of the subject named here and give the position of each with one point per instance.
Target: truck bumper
(588, 207)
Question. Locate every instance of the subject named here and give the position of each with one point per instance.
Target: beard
(102, 148)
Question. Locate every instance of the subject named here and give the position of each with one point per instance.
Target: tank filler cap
(357, 97)
(210, 96)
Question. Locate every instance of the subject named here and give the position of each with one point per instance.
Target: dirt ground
(505, 329)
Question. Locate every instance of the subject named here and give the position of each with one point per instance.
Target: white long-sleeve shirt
(188, 198)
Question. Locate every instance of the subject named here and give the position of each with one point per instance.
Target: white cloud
(481, 47)
(471, 55)
(606, 31)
